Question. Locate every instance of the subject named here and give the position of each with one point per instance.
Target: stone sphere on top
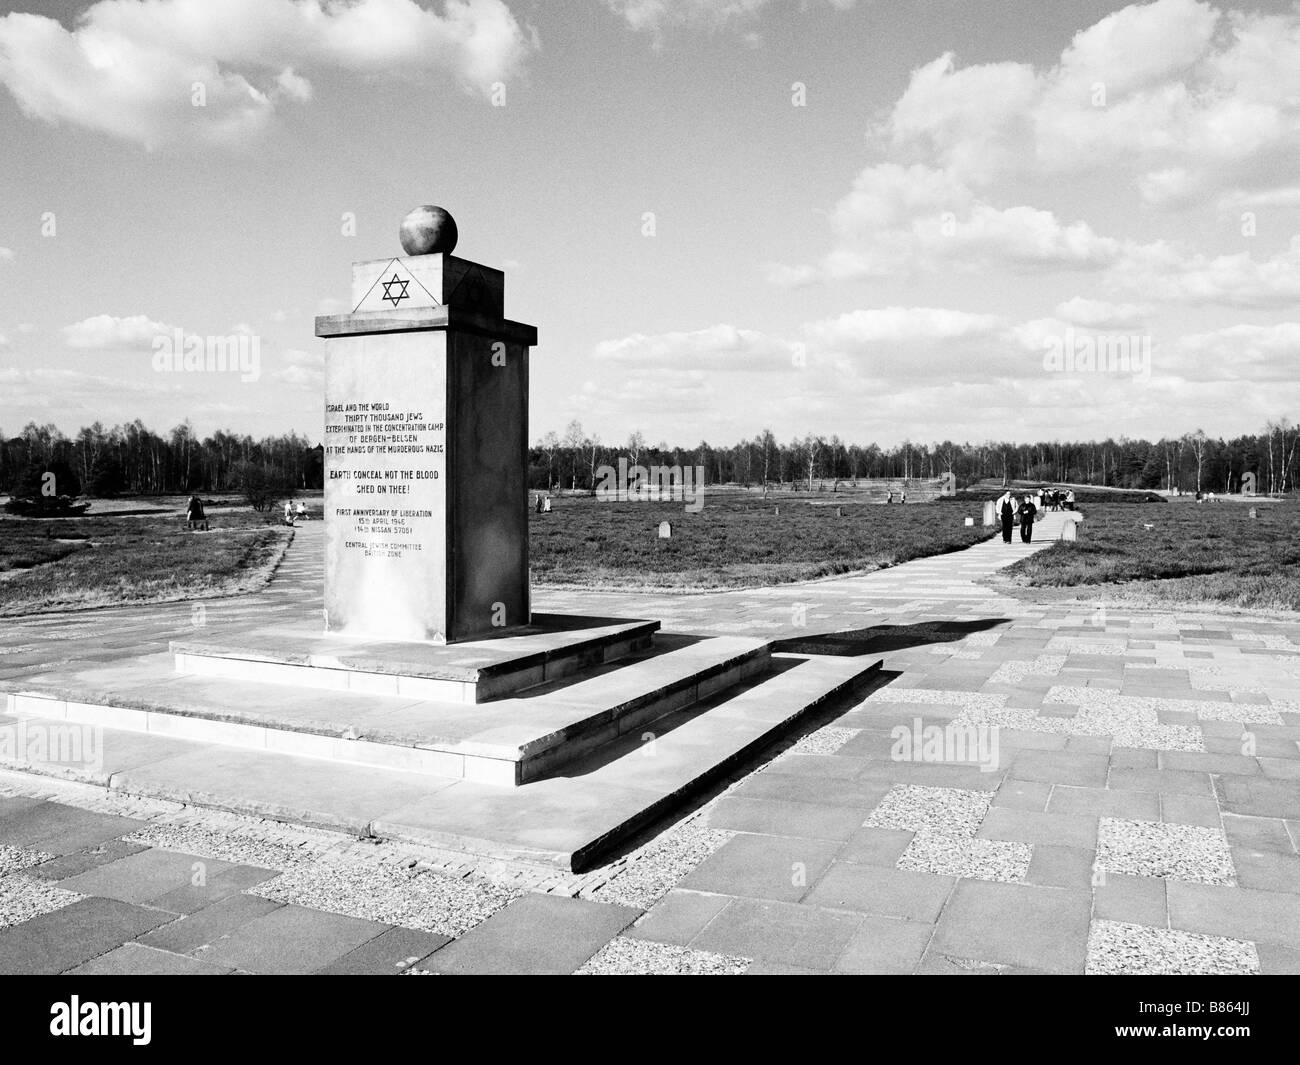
(428, 230)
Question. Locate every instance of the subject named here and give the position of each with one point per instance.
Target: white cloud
(1256, 355)
(655, 16)
(719, 347)
(129, 68)
(1087, 312)
(5, 254)
(304, 370)
(1174, 98)
(107, 332)
(1172, 271)
(900, 219)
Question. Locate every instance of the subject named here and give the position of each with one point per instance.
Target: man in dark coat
(1027, 512)
(1008, 516)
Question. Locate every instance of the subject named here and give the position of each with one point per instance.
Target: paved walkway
(1034, 787)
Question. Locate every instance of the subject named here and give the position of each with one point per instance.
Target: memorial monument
(426, 447)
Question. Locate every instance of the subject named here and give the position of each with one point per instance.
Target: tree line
(1191, 462)
(133, 460)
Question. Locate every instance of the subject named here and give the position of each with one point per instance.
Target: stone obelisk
(426, 447)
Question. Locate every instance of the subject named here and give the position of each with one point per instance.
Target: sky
(916, 219)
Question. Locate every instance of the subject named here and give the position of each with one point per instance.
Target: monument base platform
(552, 646)
(563, 771)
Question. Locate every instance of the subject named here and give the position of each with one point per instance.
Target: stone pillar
(426, 449)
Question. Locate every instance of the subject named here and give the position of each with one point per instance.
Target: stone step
(505, 742)
(475, 671)
(571, 818)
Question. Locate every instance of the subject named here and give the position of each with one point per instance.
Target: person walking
(1027, 512)
(1008, 515)
(288, 513)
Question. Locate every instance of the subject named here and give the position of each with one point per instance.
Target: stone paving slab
(57, 829)
(290, 939)
(534, 935)
(204, 927)
(56, 942)
(389, 953)
(132, 959)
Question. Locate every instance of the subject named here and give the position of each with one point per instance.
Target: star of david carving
(388, 291)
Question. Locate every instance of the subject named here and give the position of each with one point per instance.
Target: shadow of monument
(880, 639)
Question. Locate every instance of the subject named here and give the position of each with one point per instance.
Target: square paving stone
(81, 861)
(826, 791)
(1257, 796)
(884, 892)
(678, 917)
(1022, 826)
(208, 925)
(1105, 802)
(802, 820)
(1016, 924)
(1023, 795)
(779, 932)
(882, 946)
(1134, 758)
(289, 940)
(535, 934)
(58, 829)
(1061, 767)
(55, 942)
(216, 886)
(131, 959)
(1267, 870)
(388, 953)
(1131, 900)
(142, 877)
(1067, 867)
(1258, 833)
(1239, 913)
(763, 867)
(876, 846)
(1165, 781)
(1188, 810)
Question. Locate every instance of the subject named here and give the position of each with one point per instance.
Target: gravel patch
(935, 697)
(391, 893)
(226, 838)
(1016, 670)
(22, 898)
(1152, 848)
(1117, 949)
(978, 859)
(649, 874)
(950, 811)
(641, 957)
(827, 740)
(13, 859)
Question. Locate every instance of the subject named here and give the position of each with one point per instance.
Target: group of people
(1012, 511)
(290, 513)
(1055, 499)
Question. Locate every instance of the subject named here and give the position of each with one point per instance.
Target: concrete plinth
(426, 435)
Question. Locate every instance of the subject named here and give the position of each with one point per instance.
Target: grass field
(737, 540)
(105, 561)
(1191, 554)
